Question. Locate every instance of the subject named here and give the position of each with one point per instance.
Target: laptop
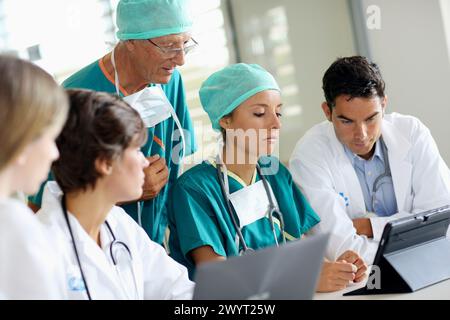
(413, 253)
(290, 271)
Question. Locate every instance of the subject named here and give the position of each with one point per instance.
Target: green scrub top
(198, 214)
(154, 212)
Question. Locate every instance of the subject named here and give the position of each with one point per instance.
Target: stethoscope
(271, 211)
(115, 246)
(386, 174)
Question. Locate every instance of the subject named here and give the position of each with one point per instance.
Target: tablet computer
(413, 253)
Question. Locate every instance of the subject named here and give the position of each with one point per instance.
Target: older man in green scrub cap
(154, 39)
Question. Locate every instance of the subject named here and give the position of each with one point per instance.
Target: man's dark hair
(354, 76)
(99, 126)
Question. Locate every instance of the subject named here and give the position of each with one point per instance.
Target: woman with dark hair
(106, 253)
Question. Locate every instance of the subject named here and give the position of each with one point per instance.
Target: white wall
(412, 51)
(445, 9)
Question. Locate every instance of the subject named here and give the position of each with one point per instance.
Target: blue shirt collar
(377, 154)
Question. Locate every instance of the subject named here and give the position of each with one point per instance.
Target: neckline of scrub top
(233, 175)
(110, 79)
(124, 93)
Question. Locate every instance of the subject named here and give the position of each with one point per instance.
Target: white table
(439, 291)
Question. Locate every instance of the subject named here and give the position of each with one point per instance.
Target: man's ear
(103, 166)
(130, 45)
(326, 110)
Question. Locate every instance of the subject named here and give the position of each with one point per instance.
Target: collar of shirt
(357, 160)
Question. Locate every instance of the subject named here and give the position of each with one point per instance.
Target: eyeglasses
(172, 52)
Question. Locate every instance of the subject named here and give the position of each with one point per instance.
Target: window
(3, 31)
(214, 53)
(64, 36)
(59, 36)
(264, 39)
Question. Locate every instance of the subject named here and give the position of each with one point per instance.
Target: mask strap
(180, 129)
(224, 171)
(116, 75)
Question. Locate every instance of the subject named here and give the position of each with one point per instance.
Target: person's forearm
(363, 226)
(205, 254)
(378, 223)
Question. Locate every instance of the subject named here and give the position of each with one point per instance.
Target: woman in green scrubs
(221, 207)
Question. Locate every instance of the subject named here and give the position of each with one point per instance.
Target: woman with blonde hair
(33, 110)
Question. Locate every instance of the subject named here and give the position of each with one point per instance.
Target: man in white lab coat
(363, 167)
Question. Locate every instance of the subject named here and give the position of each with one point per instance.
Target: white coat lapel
(128, 283)
(351, 188)
(96, 258)
(401, 169)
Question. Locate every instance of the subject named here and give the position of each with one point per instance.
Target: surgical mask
(250, 204)
(153, 106)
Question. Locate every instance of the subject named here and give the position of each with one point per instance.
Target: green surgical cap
(226, 89)
(147, 19)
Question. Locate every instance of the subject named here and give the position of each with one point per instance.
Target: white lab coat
(28, 267)
(157, 275)
(326, 176)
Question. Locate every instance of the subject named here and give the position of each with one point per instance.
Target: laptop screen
(289, 271)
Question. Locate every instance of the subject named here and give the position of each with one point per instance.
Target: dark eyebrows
(368, 118)
(373, 115)
(344, 118)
